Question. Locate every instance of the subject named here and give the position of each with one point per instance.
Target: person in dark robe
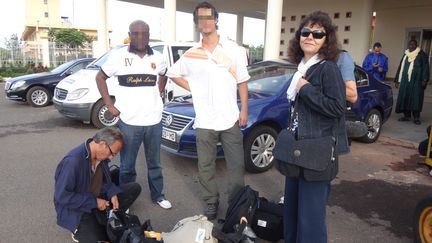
(411, 79)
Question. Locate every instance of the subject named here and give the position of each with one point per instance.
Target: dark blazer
(321, 111)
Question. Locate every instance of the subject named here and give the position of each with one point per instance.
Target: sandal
(404, 119)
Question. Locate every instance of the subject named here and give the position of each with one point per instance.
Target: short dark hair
(109, 135)
(377, 44)
(204, 5)
(329, 51)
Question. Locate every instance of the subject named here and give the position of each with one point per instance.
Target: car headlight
(77, 94)
(17, 84)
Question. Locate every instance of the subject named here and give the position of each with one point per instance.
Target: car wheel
(423, 220)
(101, 117)
(258, 149)
(374, 123)
(38, 96)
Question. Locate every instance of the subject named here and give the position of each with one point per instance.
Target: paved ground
(372, 200)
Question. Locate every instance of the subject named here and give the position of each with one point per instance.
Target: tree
(71, 38)
(14, 46)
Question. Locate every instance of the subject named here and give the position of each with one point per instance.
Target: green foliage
(71, 38)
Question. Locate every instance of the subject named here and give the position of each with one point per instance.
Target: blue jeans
(305, 210)
(151, 137)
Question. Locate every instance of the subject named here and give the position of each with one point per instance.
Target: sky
(121, 14)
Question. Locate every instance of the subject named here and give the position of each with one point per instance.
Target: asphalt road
(372, 200)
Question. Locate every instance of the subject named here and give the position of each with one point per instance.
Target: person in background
(345, 64)
(321, 104)
(84, 190)
(135, 69)
(411, 79)
(213, 71)
(376, 62)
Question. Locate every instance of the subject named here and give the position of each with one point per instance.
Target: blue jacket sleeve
(367, 63)
(330, 99)
(67, 191)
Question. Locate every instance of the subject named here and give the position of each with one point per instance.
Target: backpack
(126, 228)
(192, 229)
(267, 222)
(243, 204)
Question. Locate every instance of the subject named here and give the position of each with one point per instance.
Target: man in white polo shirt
(138, 104)
(212, 71)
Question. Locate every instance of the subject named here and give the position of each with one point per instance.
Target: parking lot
(372, 200)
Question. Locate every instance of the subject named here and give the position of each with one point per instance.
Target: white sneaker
(73, 238)
(165, 204)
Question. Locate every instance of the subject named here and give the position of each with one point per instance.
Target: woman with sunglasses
(319, 91)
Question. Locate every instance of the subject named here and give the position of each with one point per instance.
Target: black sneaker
(211, 210)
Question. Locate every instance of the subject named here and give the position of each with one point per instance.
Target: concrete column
(170, 20)
(45, 53)
(102, 44)
(365, 27)
(240, 23)
(273, 29)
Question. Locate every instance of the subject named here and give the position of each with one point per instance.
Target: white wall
(360, 23)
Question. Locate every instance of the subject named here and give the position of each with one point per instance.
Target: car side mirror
(68, 72)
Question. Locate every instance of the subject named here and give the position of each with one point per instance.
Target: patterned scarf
(411, 57)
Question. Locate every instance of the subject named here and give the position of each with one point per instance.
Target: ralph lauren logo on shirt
(137, 80)
(128, 62)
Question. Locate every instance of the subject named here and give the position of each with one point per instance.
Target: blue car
(268, 113)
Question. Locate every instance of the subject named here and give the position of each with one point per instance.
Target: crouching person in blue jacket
(84, 190)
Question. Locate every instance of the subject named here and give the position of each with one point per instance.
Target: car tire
(423, 221)
(374, 124)
(101, 117)
(258, 149)
(38, 96)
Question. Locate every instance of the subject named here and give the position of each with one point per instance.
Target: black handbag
(314, 158)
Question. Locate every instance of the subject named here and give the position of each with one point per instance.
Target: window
(346, 41)
(336, 15)
(283, 18)
(347, 28)
(282, 42)
(293, 18)
(283, 30)
(292, 30)
(281, 53)
(303, 16)
(361, 77)
(348, 14)
(46, 14)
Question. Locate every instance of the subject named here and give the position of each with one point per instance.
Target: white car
(78, 97)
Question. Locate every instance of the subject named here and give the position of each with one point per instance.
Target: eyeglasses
(316, 34)
(111, 152)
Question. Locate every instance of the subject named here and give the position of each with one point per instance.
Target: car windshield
(269, 78)
(63, 67)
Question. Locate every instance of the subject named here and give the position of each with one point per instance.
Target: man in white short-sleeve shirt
(136, 68)
(213, 71)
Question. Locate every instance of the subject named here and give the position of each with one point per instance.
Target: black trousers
(91, 230)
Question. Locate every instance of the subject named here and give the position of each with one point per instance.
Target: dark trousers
(305, 210)
(416, 114)
(91, 230)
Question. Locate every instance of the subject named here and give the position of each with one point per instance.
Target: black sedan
(38, 89)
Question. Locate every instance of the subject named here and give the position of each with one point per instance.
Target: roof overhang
(247, 8)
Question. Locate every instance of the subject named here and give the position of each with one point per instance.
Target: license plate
(168, 135)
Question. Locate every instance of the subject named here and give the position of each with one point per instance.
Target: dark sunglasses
(316, 34)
